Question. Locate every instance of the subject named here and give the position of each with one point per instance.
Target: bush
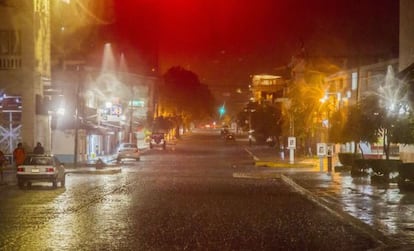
(383, 166)
(406, 171)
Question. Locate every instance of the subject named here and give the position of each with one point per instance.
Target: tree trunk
(177, 132)
(362, 152)
(386, 145)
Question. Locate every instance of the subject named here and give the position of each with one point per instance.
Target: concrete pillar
(406, 50)
(36, 65)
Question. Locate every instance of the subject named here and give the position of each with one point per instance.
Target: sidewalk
(108, 165)
(265, 156)
(90, 167)
(380, 210)
(103, 164)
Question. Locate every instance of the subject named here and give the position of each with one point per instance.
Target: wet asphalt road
(184, 198)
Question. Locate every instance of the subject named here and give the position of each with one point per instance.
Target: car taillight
(50, 169)
(20, 169)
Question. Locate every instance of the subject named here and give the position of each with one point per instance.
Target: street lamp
(250, 110)
(77, 108)
(323, 100)
(291, 139)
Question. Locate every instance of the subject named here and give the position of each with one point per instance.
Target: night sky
(226, 41)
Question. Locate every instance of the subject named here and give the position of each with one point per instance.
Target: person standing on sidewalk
(19, 154)
(39, 149)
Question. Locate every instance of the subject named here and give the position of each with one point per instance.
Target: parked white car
(128, 151)
(40, 168)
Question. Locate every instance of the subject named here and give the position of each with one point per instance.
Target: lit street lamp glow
(60, 111)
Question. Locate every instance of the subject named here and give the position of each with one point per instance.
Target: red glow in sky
(224, 41)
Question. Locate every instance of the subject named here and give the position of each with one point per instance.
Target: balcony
(10, 62)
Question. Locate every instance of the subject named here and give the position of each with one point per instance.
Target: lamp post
(77, 107)
(75, 159)
(131, 113)
(250, 110)
(329, 150)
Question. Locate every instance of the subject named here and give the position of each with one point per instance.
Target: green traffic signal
(222, 110)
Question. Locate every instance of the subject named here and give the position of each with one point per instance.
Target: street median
(276, 164)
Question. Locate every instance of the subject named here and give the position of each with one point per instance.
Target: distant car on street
(40, 168)
(128, 151)
(224, 132)
(158, 140)
(230, 137)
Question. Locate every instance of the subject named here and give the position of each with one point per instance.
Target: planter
(342, 168)
(347, 159)
(382, 167)
(360, 167)
(385, 171)
(406, 176)
(380, 170)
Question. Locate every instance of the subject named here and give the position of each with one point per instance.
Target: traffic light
(222, 110)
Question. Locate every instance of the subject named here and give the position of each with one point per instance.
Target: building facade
(349, 86)
(102, 110)
(406, 60)
(352, 84)
(25, 70)
(267, 89)
(406, 48)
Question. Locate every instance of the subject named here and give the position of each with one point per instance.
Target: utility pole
(78, 89)
(131, 114)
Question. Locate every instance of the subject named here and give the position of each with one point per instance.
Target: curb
(247, 175)
(251, 154)
(382, 240)
(276, 164)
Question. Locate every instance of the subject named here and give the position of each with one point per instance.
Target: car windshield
(129, 145)
(38, 161)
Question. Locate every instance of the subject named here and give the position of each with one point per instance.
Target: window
(10, 49)
(354, 81)
(10, 43)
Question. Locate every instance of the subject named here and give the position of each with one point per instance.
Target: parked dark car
(224, 132)
(158, 140)
(230, 137)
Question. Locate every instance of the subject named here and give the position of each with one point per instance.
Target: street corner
(336, 209)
